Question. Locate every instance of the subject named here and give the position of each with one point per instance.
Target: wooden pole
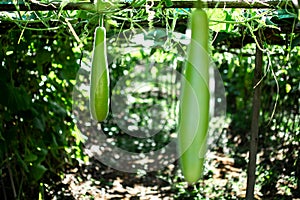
(37, 6)
(255, 123)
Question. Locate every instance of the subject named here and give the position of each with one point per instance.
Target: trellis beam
(37, 6)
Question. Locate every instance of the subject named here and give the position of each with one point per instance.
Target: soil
(94, 180)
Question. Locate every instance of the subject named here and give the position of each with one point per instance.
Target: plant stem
(3, 189)
(101, 24)
(12, 182)
(199, 4)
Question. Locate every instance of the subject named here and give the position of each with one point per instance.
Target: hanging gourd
(194, 100)
(99, 79)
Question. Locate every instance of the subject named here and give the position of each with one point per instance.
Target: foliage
(36, 124)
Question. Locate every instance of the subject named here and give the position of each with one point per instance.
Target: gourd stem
(101, 24)
(199, 4)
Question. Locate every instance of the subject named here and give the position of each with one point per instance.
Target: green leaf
(217, 15)
(156, 34)
(69, 72)
(43, 57)
(30, 157)
(82, 14)
(39, 123)
(37, 171)
(168, 3)
(87, 15)
(296, 41)
(15, 98)
(112, 22)
(21, 162)
(284, 14)
(57, 109)
(269, 22)
(41, 153)
(229, 27)
(138, 3)
(34, 112)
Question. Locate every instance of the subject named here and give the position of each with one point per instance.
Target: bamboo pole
(37, 6)
(255, 123)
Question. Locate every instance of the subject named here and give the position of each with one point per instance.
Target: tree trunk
(254, 124)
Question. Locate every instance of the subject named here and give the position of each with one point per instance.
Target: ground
(93, 180)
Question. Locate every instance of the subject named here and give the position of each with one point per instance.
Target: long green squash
(194, 105)
(99, 82)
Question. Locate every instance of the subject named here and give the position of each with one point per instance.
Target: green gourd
(99, 79)
(194, 100)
